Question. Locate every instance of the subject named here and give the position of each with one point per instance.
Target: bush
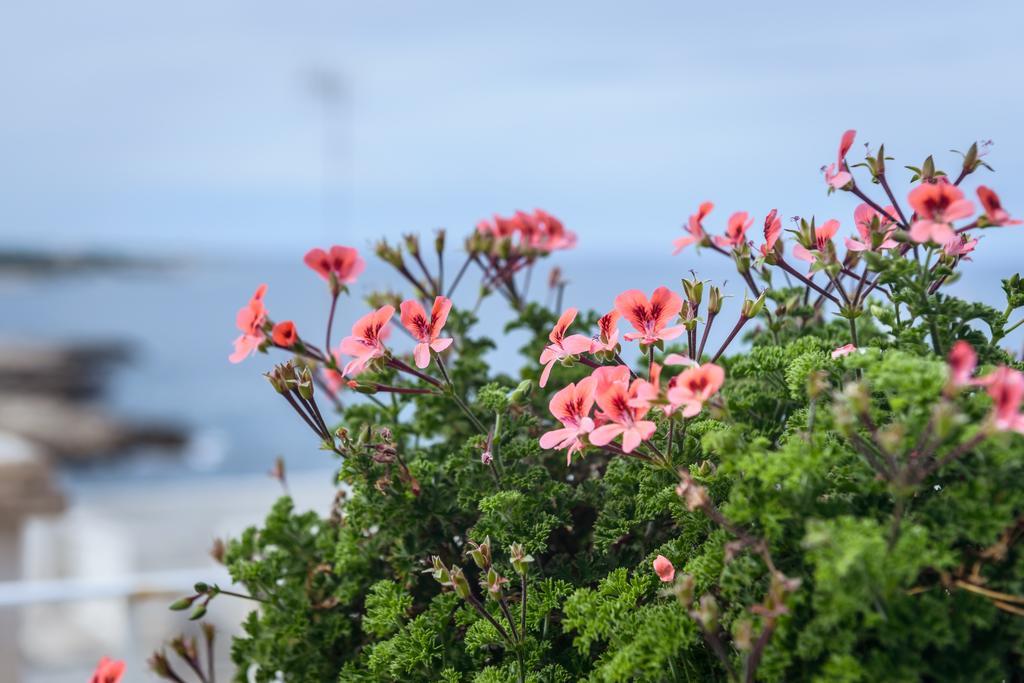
(840, 501)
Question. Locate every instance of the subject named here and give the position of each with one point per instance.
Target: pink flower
(823, 235)
(344, 263)
(694, 228)
(334, 380)
(1006, 387)
(550, 235)
(648, 392)
(606, 375)
(836, 174)
(562, 346)
(664, 569)
(620, 418)
(108, 671)
(735, 230)
(962, 362)
(571, 406)
(367, 339)
(250, 319)
(694, 386)
(937, 205)
(650, 318)
(844, 350)
(772, 231)
(995, 214)
(870, 222)
(961, 245)
(424, 331)
(284, 334)
(608, 333)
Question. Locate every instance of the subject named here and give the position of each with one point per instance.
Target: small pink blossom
(607, 338)
(344, 263)
(664, 569)
(870, 222)
(823, 235)
(426, 331)
(108, 671)
(571, 406)
(1006, 387)
(937, 205)
(367, 340)
(648, 391)
(836, 174)
(695, 386)
(772, 231)
(735, 230)
(621, 419)
(562, 346)
(650, 318)
(250, 320)
(962, 362)
(961, 245)
(995, 214)
(694, 228)
(844, 350)
(284, 334)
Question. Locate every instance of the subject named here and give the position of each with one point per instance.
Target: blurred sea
(180, 322)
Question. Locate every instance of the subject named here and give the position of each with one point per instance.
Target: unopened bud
(890, 437)
(494, 582)
(159, 665)
(742, 259)
(971, 158)
(857, 397)
(275, 381)
(481, 553)
(412, 243)
(459, 582)
(439, 240)
(439, 571)
(743, 635)
(693, 494)
(694, 290)
(365, 388)
(504, 248)
(708, 612)
(817, 382)
(519, 558)
(521, 392)
(752, 308)
(182, 604)
(683, 589)
(305, 384)
(714, 300)
(198, 614)
(217, 550)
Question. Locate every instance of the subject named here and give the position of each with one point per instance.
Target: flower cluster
(623, 399)
(527, 233)
(938, 206)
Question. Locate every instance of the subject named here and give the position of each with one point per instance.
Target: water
(180, 322)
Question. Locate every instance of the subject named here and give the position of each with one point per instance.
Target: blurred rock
(45, 398)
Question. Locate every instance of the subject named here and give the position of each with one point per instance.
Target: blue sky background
(192, 126)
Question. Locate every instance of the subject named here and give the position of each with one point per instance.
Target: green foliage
(835, 524)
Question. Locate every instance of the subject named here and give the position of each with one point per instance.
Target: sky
(195, 127)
